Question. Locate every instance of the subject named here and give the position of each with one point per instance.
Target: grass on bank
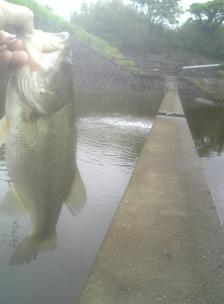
(217, 97)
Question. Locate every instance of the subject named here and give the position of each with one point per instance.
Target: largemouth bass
(38, 129)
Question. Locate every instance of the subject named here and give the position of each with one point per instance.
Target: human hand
(20, 18)
(12, 54)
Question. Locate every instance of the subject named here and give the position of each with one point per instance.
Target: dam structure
(165, 244)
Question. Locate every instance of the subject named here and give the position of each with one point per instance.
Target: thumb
(16, 16)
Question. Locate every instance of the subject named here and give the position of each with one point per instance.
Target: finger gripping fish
(39, 132)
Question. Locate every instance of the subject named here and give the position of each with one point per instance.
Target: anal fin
(11, 205)
(77, 196)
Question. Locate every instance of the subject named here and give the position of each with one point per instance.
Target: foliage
(125, 27)
(160, 11)
(210, 13)
(131, 29)
(197, 40)
(200, 38)
(100, 45)
(114, 22)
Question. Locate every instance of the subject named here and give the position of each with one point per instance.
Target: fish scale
(40, 146)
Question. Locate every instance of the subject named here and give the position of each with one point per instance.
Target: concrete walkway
(165, 244)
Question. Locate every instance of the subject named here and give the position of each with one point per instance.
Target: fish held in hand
(38, 129)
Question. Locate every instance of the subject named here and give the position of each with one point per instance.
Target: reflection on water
(207, 125)
(108, 148)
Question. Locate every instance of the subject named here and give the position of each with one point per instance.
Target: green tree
(142, 29)
(196, 38)
(160, 11)
(121, 25)
(210, 14)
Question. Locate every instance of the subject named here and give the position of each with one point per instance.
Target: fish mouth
(44, 48)
(39, 86)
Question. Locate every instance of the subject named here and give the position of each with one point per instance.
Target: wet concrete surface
(165, 244)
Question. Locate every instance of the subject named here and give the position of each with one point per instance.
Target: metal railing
(158, 67)
(163, 67)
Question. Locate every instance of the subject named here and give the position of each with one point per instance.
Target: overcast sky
(65, 7)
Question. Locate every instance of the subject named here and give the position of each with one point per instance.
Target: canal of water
(206, 122)
(107, 151)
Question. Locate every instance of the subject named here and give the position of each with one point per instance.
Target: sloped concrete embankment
(165, 244)
(103, 86)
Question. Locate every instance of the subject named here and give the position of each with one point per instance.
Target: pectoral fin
(11, 205)
(4, 129)
(77, 196)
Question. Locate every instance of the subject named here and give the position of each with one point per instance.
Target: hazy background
(65, 7)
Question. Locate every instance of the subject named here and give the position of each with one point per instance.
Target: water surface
(107, 151)
(207, 126)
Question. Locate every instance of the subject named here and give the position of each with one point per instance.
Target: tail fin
(29, 248)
